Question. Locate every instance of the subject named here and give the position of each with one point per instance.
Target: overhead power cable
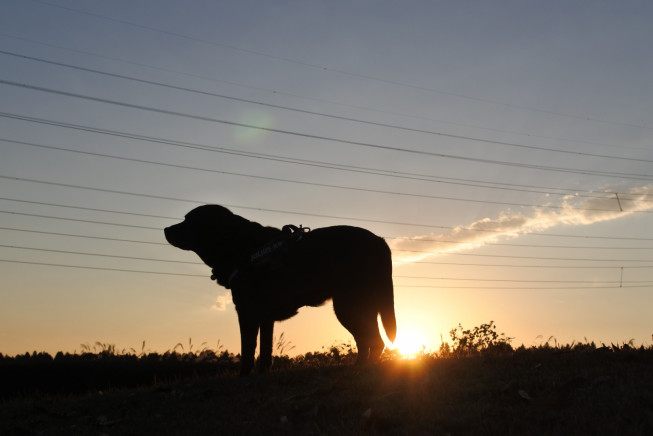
(74, 235)
(505, 244)
(102, 268)
(562, 259)
(520, 288)
(326, 138)
(618, 208)
(503, 265)
(92, 209)
(321, 114)
(40, 203)
(494, 265)
(604, 282)
(459, 279)
(277, 92)
(99, 254)
(159, 229)
(483, 184)
(395, 276)
(79, 220)
(398, 286)
(286, 212)
(324, 68)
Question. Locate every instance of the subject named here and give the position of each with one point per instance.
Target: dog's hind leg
(369, 343)
(267, 329)
(249, 327)
(376, 344)
(362, 324)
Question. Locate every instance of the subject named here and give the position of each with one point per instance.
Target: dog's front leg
(267, 329)
(248, 332)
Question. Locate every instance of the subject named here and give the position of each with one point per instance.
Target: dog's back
(348, 264)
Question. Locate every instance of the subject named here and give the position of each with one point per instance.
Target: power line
(319, 164)
(396, 276)
(109, 191)
(102, 268)
(200, 263)
(324, 185)
(321, 114)
(99, 254)
(276, 92)
(505, 244)
(40, 203)
(408, 251)
(565, 259)
(34, 215)
(498, 265)
(396, 286)
(338, 71)
(325, 138)
(435, 263)
(521, 281)
(197, 202)
(72, 235)
(520, 288)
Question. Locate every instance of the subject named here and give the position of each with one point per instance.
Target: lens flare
(246, 135)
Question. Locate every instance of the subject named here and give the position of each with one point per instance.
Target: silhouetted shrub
(480, 339)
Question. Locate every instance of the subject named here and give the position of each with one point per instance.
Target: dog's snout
(174, 236)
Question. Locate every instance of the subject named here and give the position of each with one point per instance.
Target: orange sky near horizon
(503, 151)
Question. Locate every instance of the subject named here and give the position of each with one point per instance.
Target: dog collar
(232, 277)
(230, 280)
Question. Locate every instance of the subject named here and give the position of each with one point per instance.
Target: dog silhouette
(273, 272)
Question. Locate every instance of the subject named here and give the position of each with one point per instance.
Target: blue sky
(502, 148)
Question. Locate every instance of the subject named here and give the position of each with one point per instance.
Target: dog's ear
(212, 215)
(234, 222)
(220, 217)
(227, 225)
(209, 211)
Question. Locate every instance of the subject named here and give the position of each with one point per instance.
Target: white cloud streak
(221, 302)
(572, 211)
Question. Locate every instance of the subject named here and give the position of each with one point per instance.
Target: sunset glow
(410, 342)
(502, 150)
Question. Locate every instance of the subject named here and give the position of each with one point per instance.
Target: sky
(503, 149)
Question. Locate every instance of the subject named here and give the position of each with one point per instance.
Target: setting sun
(409, 342)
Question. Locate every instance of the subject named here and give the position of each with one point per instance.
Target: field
(474, 387)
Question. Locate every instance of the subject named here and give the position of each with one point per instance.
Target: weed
(282, 345)
(190, 347)
(483, 338)
(142, 353)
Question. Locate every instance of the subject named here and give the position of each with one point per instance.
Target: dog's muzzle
(176, 236)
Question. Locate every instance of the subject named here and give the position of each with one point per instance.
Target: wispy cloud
(221, 302)
(572, 210)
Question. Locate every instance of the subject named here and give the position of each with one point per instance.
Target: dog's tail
(387, 311)
(385, 289)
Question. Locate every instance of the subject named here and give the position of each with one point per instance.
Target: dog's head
(218, 236)
(209, 224)
(197, 226)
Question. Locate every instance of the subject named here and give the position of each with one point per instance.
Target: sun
(409, 342)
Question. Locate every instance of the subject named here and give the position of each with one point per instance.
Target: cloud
(222, 301)
(572, 210)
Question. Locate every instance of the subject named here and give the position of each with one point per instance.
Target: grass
(485, 388)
